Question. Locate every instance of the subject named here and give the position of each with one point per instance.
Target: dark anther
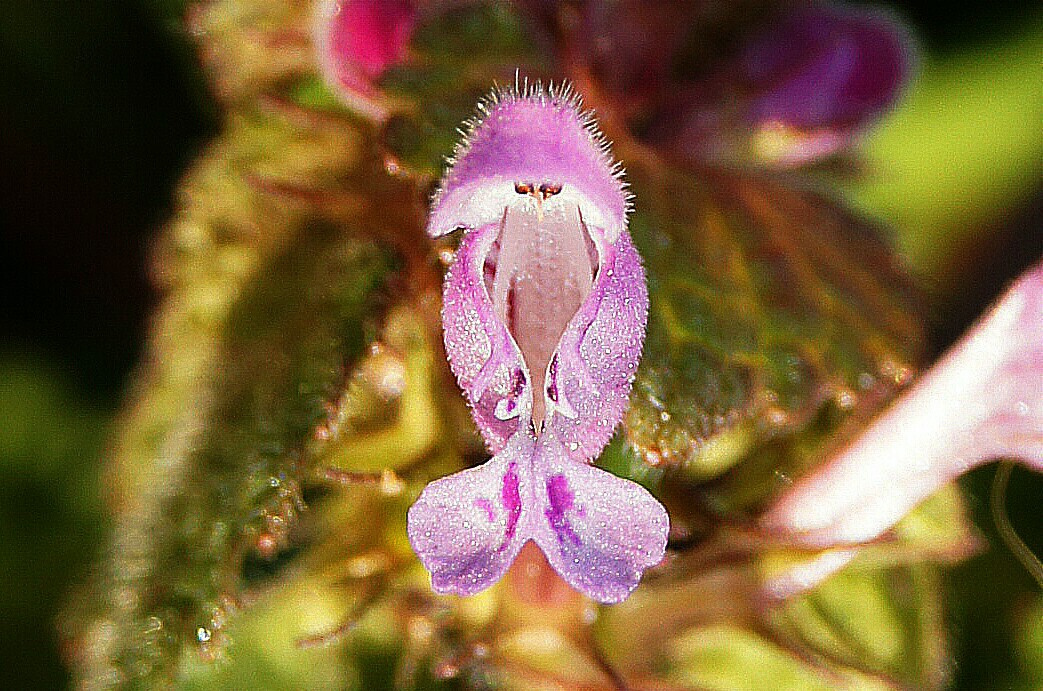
(523, 187)
(517, 383)
(549, 190)
(552, 379)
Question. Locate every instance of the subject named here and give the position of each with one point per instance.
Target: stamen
(548, 190)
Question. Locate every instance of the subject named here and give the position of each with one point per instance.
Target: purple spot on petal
(486, 506)
(517, 383)
(560, 500)
(559, 494)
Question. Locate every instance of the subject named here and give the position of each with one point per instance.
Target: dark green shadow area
(50, 511)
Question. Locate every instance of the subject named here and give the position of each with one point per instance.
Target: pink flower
(544, 314)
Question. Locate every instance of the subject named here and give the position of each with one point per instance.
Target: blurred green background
(102, 105)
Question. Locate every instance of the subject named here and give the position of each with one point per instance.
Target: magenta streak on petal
(449, 526)
(552, 379)
(511, 498)
(559, 501)
(603, 549)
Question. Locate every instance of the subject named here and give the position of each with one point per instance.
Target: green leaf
(884, 622)
(232, 469)
(1030, 647)
(776, 317)
(727, 658)
(50, 503)
(278, 268)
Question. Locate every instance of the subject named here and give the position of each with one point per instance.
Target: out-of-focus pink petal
(825, 66)
(357, 40)
(807, 574)
(982, 401)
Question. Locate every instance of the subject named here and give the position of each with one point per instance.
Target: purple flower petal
(982, 401)
(532, 137)
(600, 532)
(537, 274)
(589, 379)
(357, 40)
(483, 355)
(467, 528)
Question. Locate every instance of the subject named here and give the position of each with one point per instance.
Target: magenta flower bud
(357, 40)
(544, 314)
(982, 401)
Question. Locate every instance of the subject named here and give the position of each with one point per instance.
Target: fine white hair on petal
(525, 90)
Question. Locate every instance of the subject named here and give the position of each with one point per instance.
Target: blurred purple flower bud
(824, 66)
(357, 40)
(544, 314)
(982, 401)
(797, 90)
